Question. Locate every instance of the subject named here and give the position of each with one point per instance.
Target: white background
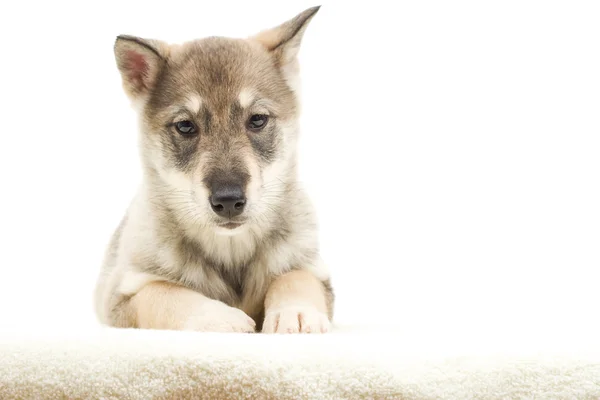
(452, 150)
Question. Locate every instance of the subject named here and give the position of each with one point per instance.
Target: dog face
(218, 121)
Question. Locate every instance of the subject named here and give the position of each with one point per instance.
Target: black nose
(228, 200)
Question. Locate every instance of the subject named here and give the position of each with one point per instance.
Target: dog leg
(297, 302)
(163, 305)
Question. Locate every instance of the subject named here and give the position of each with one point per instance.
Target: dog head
(218, 121)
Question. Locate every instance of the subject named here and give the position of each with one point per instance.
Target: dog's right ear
(283, 41)
(140, 62)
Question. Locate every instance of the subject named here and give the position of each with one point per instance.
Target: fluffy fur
(173, 262)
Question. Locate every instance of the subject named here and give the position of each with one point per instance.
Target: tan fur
(296, 302)
(163, 305)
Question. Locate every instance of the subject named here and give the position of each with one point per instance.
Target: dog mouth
(231, 225)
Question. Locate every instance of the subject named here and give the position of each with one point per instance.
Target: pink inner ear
(137, 69)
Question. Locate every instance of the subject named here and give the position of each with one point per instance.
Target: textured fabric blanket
(346, 364)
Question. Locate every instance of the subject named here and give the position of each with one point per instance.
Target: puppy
(220, 236)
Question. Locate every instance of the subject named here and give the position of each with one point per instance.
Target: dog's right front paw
(215, 316)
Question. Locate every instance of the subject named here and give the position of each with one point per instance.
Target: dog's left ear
(140, 62)
(284, 40)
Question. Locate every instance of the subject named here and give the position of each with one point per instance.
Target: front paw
(215, 316)
(296, 319)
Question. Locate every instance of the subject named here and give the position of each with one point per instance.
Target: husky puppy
(220, 236)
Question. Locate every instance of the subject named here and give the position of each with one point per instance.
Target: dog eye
(186, 128)
(257, 122)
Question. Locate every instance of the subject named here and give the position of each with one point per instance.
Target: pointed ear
(284, 40)
(139, 61)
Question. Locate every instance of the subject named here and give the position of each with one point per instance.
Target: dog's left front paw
(296, 320)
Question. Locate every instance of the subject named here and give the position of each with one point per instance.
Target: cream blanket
(346, 364)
